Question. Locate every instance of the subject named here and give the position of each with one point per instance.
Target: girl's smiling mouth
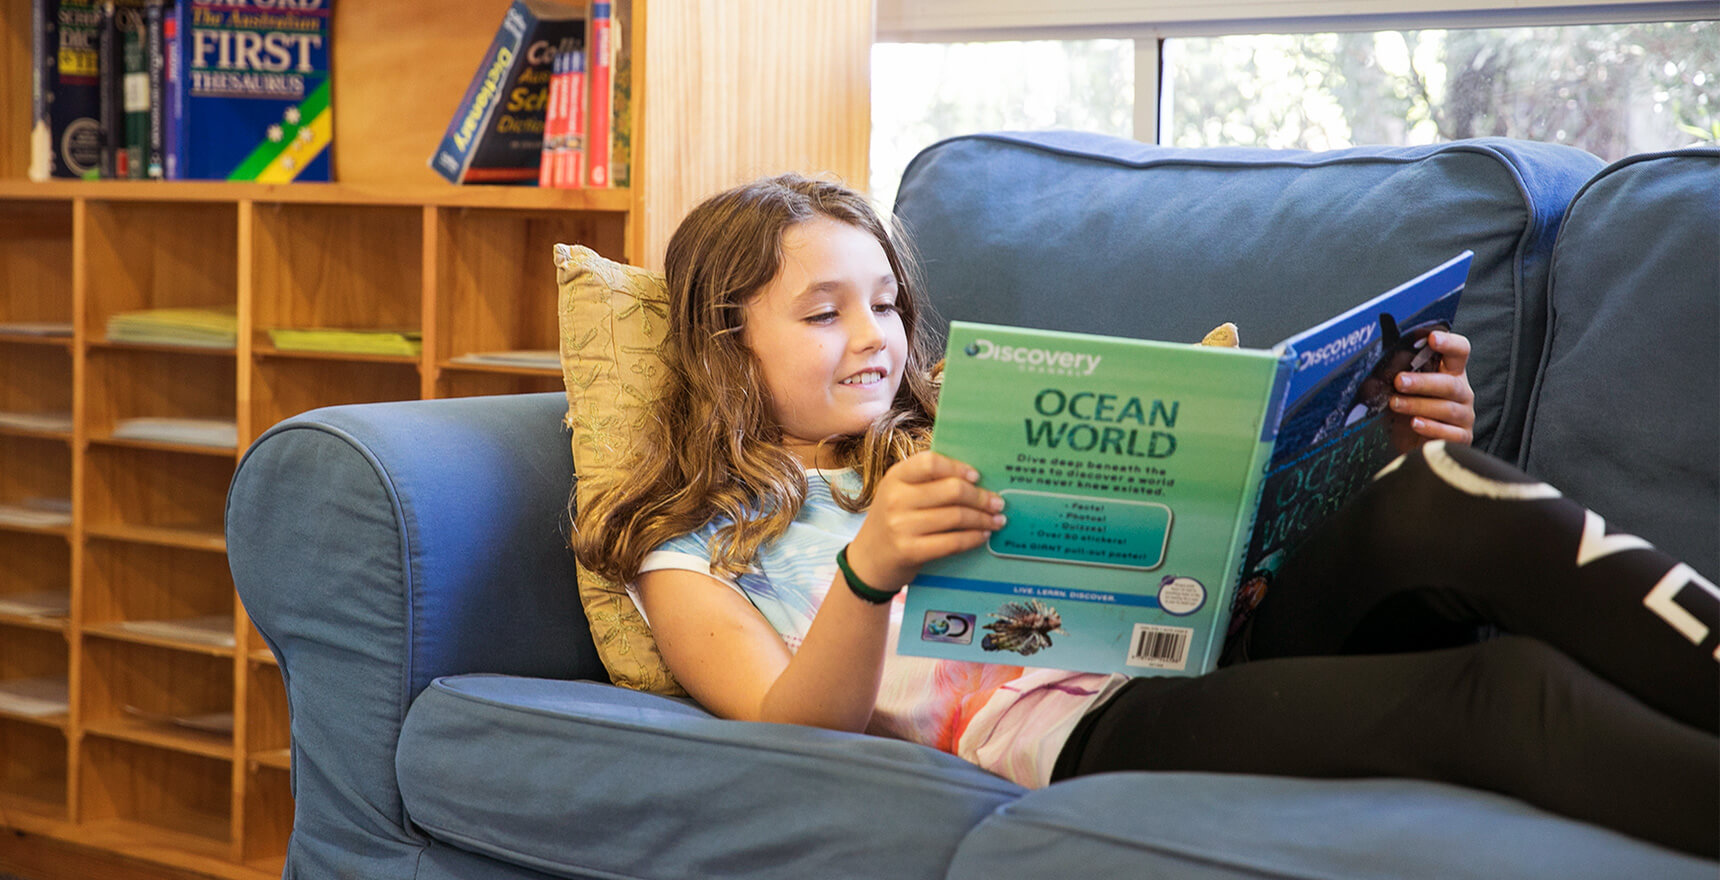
(865, 377)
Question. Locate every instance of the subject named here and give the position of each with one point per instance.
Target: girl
(784, 495)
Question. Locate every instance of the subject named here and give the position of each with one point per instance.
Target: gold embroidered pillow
(612, 317)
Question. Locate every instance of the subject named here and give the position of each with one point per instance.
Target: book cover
(555, 122)
(599, 68)
(134, 91)
(65, 128)
(155, 59)
(248, 91)
(496, 133)
(621, 94)
(1133, 473)
(110, 97)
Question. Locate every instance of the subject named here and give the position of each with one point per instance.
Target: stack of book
(205, 327)
(347, 341)
(549, 103)
(181, 90)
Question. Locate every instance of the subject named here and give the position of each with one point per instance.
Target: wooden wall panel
(730, 99)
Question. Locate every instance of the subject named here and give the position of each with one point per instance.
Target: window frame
(1148, 24)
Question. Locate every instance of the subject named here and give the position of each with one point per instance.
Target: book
(213, 629)
(496, 133)
(621, 94)
(132, 147)
(37, 697)
(347, 341)
(599, 74)
(535, 359)
(563, 163)
(248, 91)
(216, 433)
(39, 604)
(110, 98)
(65, 128)
(207, 327)
(1135, 474)
(155, 59)
(37, 513)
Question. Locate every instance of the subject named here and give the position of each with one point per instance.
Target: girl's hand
(1439, 405)
(927, 507)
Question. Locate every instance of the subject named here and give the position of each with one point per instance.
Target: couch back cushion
(1627, 416)
(1097, 234)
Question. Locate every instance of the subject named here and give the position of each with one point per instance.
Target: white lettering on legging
(1661, 600)
(1597, 544)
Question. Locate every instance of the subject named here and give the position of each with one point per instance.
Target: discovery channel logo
(951, 627)
(1039, 360)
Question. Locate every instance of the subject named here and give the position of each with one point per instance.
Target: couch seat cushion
(579, 779)
(1202, 826)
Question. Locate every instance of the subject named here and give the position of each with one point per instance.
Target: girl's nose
(868, 332)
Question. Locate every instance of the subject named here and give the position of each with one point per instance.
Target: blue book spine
(172, 142)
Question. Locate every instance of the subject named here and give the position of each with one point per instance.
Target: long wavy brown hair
(711, 449)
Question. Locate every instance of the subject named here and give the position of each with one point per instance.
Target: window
(925, 92)
(1613, 90)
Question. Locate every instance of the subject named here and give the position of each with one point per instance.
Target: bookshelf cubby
(138, 769)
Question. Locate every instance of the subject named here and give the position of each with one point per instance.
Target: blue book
(65, 127)
(496, 135)
(1151, 487)
(248, 91)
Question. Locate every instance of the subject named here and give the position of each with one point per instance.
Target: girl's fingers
(1453, 351)
(1435, 409)
(928, 466)
(1433, 430)
(1435, 386)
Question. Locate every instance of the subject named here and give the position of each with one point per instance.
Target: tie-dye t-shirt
(1009, 720)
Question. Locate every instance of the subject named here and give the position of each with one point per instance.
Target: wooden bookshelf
(121, 784)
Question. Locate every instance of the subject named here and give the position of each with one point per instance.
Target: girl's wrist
(871, 591)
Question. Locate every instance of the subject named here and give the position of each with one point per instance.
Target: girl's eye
(884, 308)
(821, 318)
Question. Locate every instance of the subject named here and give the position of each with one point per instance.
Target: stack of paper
(542, 359)
(343, 341)
(35, 697)
(45, 603)
(208, 722)
(37, 512)
(208, 327)
(214, 629)
(32, 421)
(37, 328)
(221, 433)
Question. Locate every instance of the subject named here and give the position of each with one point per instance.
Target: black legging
(1602, 705)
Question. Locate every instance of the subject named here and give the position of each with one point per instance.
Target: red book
(598, 63)
(554, 124)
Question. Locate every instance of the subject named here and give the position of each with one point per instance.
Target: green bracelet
(858, 586)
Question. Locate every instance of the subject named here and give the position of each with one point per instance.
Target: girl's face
(827, 334)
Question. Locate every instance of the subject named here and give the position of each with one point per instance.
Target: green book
(1145, 481)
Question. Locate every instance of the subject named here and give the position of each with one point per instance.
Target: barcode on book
(1159, 647)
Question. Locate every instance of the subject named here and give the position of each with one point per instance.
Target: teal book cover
(1132, 473)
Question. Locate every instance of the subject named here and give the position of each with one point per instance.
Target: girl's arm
(729, 658)
(1441, 403)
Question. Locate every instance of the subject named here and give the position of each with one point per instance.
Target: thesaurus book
(1152, 488)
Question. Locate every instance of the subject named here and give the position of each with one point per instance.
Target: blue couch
(450, 718)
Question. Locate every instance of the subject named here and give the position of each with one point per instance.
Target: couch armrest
(379, 546)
